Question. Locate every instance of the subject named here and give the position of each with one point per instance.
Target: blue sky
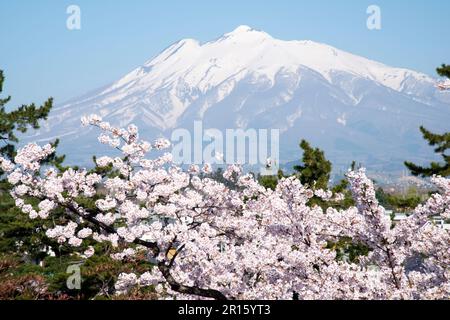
(42, 58)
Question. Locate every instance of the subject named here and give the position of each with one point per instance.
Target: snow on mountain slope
(355, 108)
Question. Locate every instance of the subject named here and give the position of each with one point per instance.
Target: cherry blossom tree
(207, 240)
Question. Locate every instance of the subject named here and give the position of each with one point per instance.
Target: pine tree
(442, 144)
(444, 71)
(21, 120)
(271, 182)
(316, 169)
(25, 117)
(440, 141)
(15, 227)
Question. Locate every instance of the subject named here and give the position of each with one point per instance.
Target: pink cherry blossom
(210, 240)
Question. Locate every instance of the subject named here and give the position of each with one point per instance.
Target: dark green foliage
(316, 169)
(23, 280)
(444, 71)
(404, 203)
(347, 249)
(343, 187)
(315, 172)
(25, 237)
(21, 119)
(270, 182)
(17, 232)
(98, 273)
(217, 175)
(399, 202)
(441, 142)
(383, 198)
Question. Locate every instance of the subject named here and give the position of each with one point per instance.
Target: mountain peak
(241, 29)
(347, 104)
(246, 32)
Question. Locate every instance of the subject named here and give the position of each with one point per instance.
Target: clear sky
(42, 58)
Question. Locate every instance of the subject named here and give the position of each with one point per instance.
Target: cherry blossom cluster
(6, 165)
(208, 240)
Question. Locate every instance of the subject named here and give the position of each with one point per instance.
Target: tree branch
(163, 268)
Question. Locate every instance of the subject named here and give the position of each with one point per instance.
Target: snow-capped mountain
(352, 107)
